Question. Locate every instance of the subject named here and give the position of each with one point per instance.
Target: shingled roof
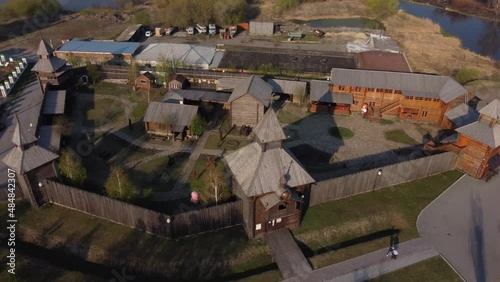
(492, 109)
(259, 172)
(44, 49)
(412, 84)
(178, 115)
(52, 64)
(254, 86)
(482, 132)
(22, 136)
(269, 128)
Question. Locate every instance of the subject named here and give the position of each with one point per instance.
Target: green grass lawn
(489, 86)
(231, 142)
(208, 255)
(386, 121)
(399, 136)
(158, 174)
(120, 153)
(292, 113)
(433, 269)
(103, 112)
(340, 132)
(361, 217)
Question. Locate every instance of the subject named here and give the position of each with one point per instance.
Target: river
(478, 35)
(77, 5)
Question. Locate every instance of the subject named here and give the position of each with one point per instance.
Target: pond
(348, 22)
(478, 35)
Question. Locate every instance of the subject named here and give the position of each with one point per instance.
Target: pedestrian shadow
(390, 232)
(476, 238)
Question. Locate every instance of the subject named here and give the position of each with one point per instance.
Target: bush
(466, 75)
(198, 125)
(142, 17)
(381, 9)
(71, 168)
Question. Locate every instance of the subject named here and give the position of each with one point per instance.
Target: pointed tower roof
(44, 48)
(269, 128)
(22, 136)
(492, 109)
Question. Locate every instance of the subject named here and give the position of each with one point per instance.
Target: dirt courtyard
(313, 145)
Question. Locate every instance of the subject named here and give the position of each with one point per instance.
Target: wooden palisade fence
(169, 226)
(370, 180)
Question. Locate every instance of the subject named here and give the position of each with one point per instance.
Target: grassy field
(347, 228)
(230, 143)
(292, 113)
(103, 112)
(489, 87)
(159, 174)
(209, 255)
(399, 136)
(433, 269)
(120, 152)
(340, 132)
(386, 121)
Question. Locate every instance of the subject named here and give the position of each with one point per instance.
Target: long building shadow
(476, 238)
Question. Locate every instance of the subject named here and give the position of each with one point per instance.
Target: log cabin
(50, 69)
(169, 119)
(323, 100)
(413, 96)
(145, 81)
(31, 163)
(249, 100)
(480, 143)
(459, 116)
(178, 82)
(268, 179)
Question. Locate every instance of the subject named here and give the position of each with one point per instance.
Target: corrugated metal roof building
(261, 28)
(98, 51)
(179, 54)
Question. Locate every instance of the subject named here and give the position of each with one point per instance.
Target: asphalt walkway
(372, 264)
(463, 225)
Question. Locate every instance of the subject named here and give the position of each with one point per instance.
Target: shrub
(142, 17)
(198, 125)
(381, 9)
(119, 186)
(72, 168)
(465, 75)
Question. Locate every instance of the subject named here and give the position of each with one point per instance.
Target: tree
(381, 9)
(198, 125)
(142, 17)
(214, 188)
(164, 69)
(119, 186)
(133, 72)
(93, 72)
(72, 168)
(64, 123)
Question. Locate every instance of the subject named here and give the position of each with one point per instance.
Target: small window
(424, 113)
(258, 226)
(409, 97)
(143, 81)
(357, 89)
(380, 90)
(281, 207)
(398, 92)
(341, 88)
(355, 102)
(388, 91)
(371, 104)
(370, 89)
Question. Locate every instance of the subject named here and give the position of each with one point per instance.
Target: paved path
(371, 265)
(463, 224)
(287, 254)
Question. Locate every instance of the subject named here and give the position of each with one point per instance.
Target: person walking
(395, 253)
(390, 252)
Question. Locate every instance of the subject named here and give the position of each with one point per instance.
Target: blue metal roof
(99, 47)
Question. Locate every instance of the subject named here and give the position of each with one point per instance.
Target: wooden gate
(471, 159)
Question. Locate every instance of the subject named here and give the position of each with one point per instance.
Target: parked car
(190, 30)
(319, 33)
(212, 29)
(201, 28)
(169, 30)
(148, 33)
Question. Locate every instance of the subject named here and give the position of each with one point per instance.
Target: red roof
(383, 61)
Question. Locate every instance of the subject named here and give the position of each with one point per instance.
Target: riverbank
(428, 50)
(483, 13)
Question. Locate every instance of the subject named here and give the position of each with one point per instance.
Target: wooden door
(471, 158)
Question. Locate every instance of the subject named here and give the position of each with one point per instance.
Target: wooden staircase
(391, 106)
(375, 113)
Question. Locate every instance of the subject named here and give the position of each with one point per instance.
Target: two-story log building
(419, 97)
